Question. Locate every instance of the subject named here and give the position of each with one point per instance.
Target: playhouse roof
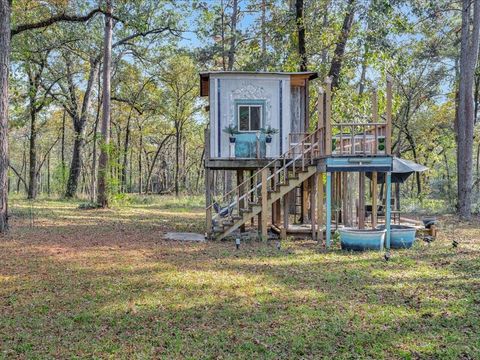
(299, 76)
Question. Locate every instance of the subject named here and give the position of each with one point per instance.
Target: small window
(249, 117)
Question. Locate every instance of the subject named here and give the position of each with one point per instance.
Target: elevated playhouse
(291, 178)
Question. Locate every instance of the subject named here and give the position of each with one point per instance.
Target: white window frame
(250, 106)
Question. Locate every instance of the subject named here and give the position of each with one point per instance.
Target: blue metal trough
(401, 236)
(360, 240)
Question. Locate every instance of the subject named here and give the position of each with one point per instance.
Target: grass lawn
(104, 284)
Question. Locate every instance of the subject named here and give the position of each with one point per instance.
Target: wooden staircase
(272, 182)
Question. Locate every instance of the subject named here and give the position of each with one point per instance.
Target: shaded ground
(99, 284)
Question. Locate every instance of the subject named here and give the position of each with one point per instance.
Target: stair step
(228, 222)
(246, 210)
(252, 203)
(236, 217)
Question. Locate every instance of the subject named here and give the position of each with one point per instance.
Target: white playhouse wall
(274, 89)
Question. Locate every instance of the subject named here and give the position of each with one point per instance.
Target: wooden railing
(359, 139)
(249, 192)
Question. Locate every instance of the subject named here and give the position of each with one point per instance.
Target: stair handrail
(281, 157)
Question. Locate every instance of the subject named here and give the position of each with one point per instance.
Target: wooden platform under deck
(250, 164)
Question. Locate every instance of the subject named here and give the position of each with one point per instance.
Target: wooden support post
(208, 186)
(374, 199)
(242, 192)
(375, 120)
(328, 220)
(328, 115)
(278, 213)
(285, 217)
(304, 211)
(208, 201)
(312, 187)
(320, 108)
(388, 134)
(361, 200)
(252, 195)
(388, 207)
(320, 219)
(274, 205)
(346, 221)
(264, 213)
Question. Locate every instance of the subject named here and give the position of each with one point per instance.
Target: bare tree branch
(54, 19)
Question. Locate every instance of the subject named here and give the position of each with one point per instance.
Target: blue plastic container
(401, 236)
(361, 240)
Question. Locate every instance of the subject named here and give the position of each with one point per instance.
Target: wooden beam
(252, 184)
(388, 206)
(328, 115)
(242, 191)
(264, 213)
(361, 200)
(320, 109)
(375, 118)
(313, 218)
(305, 202)
(388, 135)
(204, 85)
(298, 79)
(328, 220)
(346, 221)
(278, 212)
(208, 201)
(285, 216)
(320, 220)
(374, 199)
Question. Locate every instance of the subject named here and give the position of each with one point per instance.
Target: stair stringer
(274, 196)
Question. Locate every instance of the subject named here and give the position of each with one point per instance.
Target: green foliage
(231, 130)
(269, 130)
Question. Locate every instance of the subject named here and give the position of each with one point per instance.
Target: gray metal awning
(401, 170)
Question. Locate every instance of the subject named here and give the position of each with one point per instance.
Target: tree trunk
(325, 27)
(75, 166)
(79, 124)
(93, 185)
(48, 174)
(233, 39)
(140, 178)
(222, 34)
(62, 149)
(300, 21)
(177, 159)
(264, 36)
(4, 69)
(155, 157)
(102, 197)
(32, 167)
(125, 156)
(337, 60)
(449, 178)
(477, 167)
(363, 74)
(465, 112)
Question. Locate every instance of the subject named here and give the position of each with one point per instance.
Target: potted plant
(232, 131)
(269, 131)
